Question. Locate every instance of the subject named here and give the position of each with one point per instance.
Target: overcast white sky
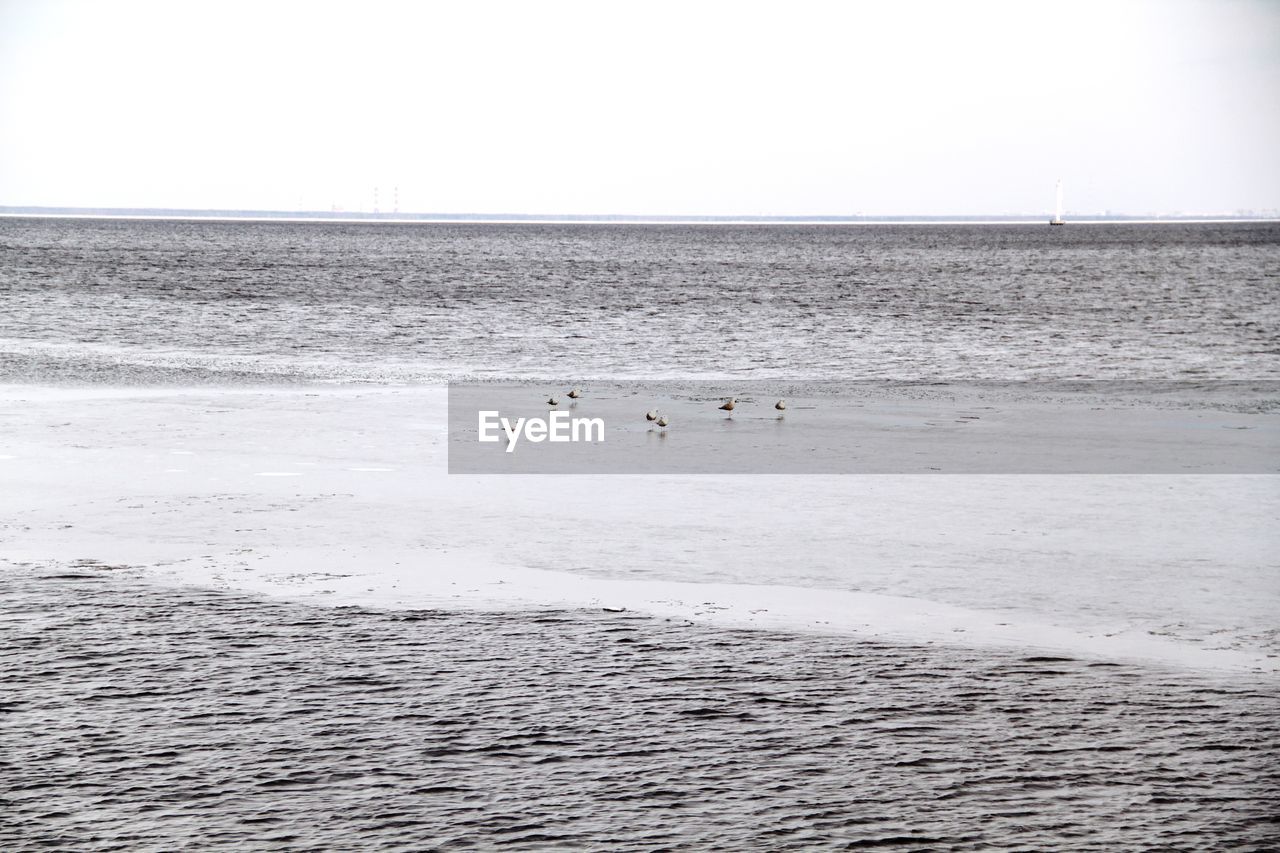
(648, 108)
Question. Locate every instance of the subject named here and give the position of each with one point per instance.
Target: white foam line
(474, 579)
(278, 474)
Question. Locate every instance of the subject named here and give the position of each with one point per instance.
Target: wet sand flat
(341, 496)
(903, 428)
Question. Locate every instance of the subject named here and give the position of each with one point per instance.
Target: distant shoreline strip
(480, 219)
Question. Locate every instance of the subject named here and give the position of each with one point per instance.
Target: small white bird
(781, 405)
(651, 415)
(552, 401)
(728, 406)
(575, 394)
(662, 421)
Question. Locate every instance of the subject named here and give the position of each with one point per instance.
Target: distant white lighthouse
(1057, 211)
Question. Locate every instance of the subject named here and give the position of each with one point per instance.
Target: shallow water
(144, 718)
(140, 717)
(145, 301)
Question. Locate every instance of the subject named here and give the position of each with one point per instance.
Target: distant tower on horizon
(375, 200)
(396, 203)
(1057, 210)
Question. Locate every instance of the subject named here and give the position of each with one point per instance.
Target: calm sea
(142, 717)
(145, 301)
(139, 718)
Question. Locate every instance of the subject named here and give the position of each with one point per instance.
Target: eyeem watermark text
(558, 427)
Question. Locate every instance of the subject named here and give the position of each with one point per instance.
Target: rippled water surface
(141, 717)
(107, 300)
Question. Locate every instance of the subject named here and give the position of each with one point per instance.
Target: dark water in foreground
(144, 718)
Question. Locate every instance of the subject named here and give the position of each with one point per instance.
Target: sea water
(145, 716)
(138, 301)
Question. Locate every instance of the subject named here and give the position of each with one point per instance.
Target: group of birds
(732, 403)
(653, 416)
(572, 395)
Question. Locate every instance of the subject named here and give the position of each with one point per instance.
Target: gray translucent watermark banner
(805, 427)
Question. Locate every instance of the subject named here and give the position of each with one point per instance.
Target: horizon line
(261, 215)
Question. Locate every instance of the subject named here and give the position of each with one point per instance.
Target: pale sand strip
(369, 517)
